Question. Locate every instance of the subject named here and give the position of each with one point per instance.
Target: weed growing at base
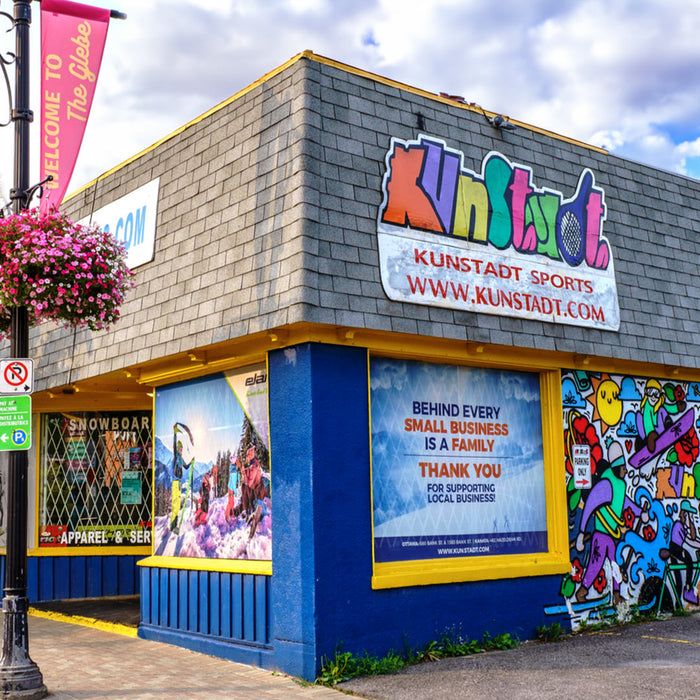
(552, 633)
(344, 665)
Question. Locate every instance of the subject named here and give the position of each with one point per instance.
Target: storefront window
(95, 479)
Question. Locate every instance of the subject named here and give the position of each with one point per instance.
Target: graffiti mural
(633, 480)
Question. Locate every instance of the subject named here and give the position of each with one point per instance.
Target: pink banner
(72, 42)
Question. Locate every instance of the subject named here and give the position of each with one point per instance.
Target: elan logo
(257, 378)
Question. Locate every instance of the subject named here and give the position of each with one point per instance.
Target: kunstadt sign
(492, 242)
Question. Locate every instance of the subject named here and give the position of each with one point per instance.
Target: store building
(390, 371)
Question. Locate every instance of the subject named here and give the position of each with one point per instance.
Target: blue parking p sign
(15, 423)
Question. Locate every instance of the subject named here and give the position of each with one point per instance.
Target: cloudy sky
(622, 74)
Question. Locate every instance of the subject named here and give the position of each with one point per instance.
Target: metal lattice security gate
(95, 479)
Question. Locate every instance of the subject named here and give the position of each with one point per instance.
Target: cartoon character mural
(632, 460)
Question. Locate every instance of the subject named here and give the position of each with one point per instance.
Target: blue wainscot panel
(62, 577)
(219, 613)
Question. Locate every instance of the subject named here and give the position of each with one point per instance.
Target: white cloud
(621, 73)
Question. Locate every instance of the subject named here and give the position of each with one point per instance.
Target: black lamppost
(20, 677)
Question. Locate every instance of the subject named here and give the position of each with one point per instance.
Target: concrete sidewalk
(85, 662)
(659, 659)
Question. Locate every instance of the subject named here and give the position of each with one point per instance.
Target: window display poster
(457, 461)
(131, 488)
(212, 483)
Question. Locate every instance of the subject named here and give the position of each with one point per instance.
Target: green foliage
(637, 616)
(551, 633)
(344, 666)
(499, 642)
(586, 626)
(60, 271)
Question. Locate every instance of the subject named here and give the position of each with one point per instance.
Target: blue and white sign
(457, 461)
(132, 220)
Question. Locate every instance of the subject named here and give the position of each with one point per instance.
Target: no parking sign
(16, 376)
(16, 383)
(582, 466)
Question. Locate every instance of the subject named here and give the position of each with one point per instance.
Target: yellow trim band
(240, 352)
(86, 551)
(232, 566)
(554, 561)
(254, 348)
(310, 55)
(435, 571)
(194, 121)
(439, 98)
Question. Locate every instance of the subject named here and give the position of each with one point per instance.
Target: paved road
(660, 659)
(652, 660)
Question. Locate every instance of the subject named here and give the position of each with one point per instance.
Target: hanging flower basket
(60, 271)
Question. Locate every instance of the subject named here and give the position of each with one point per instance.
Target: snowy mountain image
(193, 533)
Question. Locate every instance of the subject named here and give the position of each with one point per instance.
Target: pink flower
(49, 262)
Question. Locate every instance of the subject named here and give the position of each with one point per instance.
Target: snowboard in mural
(633, 482)
(212, 496)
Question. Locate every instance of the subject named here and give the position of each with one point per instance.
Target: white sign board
(131, 219)
(492, 241)
(16, 376)
(582, 466)
(419, 268)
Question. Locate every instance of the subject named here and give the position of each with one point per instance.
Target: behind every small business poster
(457, 461)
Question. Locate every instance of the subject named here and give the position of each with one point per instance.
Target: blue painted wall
(225, 614)
(63, 577)
(294, 474)
(319, 596)
(322, 553)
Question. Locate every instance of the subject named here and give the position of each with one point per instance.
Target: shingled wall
(653, 224)
(268, 211)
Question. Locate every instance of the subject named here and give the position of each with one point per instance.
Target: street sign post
(16, 376)
(15, 423)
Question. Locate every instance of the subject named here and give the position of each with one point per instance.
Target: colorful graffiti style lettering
(634, 526)
(493, 242)
(427, 188)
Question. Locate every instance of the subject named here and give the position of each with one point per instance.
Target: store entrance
(110, 612)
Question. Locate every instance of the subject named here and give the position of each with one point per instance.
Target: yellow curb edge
(114, 627)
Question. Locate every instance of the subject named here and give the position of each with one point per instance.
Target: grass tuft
(344, 665)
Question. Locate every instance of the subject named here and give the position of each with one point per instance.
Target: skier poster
(457, 461)
(212, 467)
